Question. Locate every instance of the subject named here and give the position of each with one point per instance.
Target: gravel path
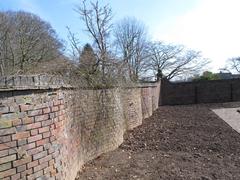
(177, 142)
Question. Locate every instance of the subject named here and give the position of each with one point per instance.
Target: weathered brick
(21, 135)
(9, 116)
(40, 167)
(35, 150)
(22, 161)
(56, 102)
(35, 112)
(21, 142)
(47, 123)
(29, 146)
(34, 138)
(44, 129)
(28, 120)
(4, 109)
(35, 175)
(8, 158)
(3, 153)
(27, 172)
(34, 132)
(6, 178)
(17, 122)
(24, 107)
(7, 173)
(21, 168)
(39, 155)
(45, 159)
(48, 169)
(55, 108)
(5, 166)
(8, 145)
(5, 124)
(34, 125)
(46, 110)
(42, 142)
(41, 117)
(7, 131)
(46, 134)
(4, 139)
(16, 177)
(32, 164)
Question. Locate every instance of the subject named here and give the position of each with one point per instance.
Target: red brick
(16, 177)
(17, 122)
(22, 161)
(35, 112)
(46, 134)
(21, 135)
(4, 139)
(33, 126)
(5, 124)
(61, 107)
(27, 172)
(8, 145)
(56, 102)
(35, 175)
(32, 164)
(24, 107)
(34, 132)
(45, 159)
(41, 118)
(55, 108)
(7, 131)
(40, 167)
(7, 173)
(27, 120)
(34, 138)
(29, 146)
(44, 129)
(39, 155)
(35, 150)
(48, 169)
(42, 142)
(46, 110)
(51, 162)
(61, 118)
(47, 123)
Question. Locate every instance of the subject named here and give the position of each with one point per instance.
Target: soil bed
(177, 142)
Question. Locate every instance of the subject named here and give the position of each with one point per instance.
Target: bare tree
(130, 37)
(169, 61)
(25, 41)
(98, 24)
(234, 64)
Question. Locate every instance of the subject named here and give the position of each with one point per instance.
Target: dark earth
(177, 142)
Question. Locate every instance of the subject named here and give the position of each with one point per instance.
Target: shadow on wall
(212, 91)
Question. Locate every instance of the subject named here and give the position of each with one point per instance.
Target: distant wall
(199, 92)
(49, 129)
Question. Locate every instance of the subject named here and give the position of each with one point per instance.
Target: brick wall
(200, 92)
(49, 129)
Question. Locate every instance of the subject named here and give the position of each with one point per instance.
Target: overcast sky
(210, 26)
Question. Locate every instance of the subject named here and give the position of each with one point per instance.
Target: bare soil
(177, 142)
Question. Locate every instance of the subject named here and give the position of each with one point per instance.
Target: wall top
(26, 82)
(45, 81)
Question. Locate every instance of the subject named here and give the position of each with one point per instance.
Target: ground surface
(177, 142)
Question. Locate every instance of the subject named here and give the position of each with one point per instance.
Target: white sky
(211, 27)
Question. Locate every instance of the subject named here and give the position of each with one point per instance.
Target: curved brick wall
(49, 130)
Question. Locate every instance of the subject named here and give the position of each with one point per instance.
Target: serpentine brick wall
(48, 129)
